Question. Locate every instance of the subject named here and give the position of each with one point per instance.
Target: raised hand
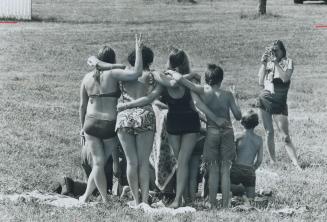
(264, 58)
(92, 61)
(82, 137)
(138, 41)
(232, 88)
(176, 75)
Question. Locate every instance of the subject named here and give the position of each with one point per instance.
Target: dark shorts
(242, 174)
(179, 123)
(272, 103)
(103, 129)
(219, 145)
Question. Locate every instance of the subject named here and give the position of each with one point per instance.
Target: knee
(143, 163)
(269, 132)
(286, 139)
(133, 164)
(225, 166)
(99, 162)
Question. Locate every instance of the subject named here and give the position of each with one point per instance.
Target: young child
(219, 147)
(249, 154)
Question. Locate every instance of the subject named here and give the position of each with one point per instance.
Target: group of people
(116, 107)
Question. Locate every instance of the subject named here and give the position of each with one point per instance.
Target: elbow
(238, 117)
(82, 108)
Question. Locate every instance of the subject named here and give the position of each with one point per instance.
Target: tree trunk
(262, 7)
(190, 1)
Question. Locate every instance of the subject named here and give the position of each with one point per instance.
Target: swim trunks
(219, 145)
(242, 174)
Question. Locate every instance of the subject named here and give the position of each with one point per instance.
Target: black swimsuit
(181, 116)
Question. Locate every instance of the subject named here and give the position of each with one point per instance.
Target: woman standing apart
(275, 77)
(98, 99)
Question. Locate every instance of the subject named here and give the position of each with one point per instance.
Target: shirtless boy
(249, 153)
(219, 147)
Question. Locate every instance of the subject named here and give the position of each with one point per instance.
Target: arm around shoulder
(234, 106)
(142, 101)
(84, 99)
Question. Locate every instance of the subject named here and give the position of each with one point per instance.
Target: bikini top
(115, 94)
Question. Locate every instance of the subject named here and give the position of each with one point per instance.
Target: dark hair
(214, 74)
(147, 57)
(280, 45)
(178, 60)
(250, 120)
(107, 54)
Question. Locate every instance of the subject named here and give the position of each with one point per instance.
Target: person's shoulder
(88, 76)
(239, 136)
(207, 89)
(228, 94)
(258, 139)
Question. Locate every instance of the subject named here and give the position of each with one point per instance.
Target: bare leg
(269, 129)
(97, 177)
(213, 182)
(282, 122)
(144, 143)
(109, 145)
(194, 165)
(174, 142)
(225, 182)
(188, 142)
(128, 143)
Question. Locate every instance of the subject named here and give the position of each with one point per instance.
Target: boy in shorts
(249, 153)
(219, 147)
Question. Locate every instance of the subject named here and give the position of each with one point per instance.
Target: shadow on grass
(253, 16)
(36, 18)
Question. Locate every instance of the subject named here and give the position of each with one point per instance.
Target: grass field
(43, 62)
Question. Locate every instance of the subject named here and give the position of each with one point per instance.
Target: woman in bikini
(275, 77)
(98, 100)
(136, 125)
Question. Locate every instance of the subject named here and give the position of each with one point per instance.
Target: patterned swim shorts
(136, 120)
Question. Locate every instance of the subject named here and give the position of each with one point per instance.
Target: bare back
(103, 107)
(247, 148)
(219, 102)
(140, 87)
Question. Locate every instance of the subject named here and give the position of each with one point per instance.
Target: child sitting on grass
(219, 148)
(249, 153)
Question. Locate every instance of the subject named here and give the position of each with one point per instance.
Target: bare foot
(211, 205)
(298, 167)
(105, 199)
(82, 199)
(174, 204)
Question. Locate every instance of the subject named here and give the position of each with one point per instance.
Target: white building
(16, 9)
